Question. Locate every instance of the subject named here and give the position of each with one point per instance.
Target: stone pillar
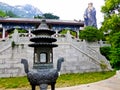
(77, 34)
(15, 36)
(69, 36)
(29, 33)
(3, 34)
(101, 43)
(84, 46)
(56, 34)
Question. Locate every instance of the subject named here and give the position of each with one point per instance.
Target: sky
(65, 9)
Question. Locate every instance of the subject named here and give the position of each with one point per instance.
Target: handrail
(6, 47)
(93, 51)
(93, 58)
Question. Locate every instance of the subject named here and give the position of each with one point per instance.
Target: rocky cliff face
(25, 11)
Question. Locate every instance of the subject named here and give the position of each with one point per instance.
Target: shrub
(13, 44)
(22, 45)
(73, 33)
(115, 58)
(105, 51)
(63, 32)
(90, 34)
(10, 36)
(103, 66)
(22, 31)
(115, 50)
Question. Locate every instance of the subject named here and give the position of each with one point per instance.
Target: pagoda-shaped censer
(43, 73)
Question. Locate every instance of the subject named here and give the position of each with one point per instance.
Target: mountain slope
(26, 11)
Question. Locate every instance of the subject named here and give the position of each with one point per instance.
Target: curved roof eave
(38, 21)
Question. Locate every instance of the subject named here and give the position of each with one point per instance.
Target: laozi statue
(43, 73)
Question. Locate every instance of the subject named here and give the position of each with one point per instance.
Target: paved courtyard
(112, 83)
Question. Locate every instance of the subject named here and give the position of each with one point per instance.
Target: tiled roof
(49, 21)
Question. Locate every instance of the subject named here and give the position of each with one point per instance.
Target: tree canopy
(90, 34)
(47, 16)
(7, 14)
(115, 50)
(111, 24)
(10, 14)
(2, 14)
(111, 11)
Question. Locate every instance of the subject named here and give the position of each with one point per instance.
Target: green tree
(111, 24)
(115, 58)
(106, 51)
(10, 14)
(64, 31)
(90, 34)
(111, 11)
(50, 16)
(47, 16)
(38, 16)
(2, 14)
(115, 51)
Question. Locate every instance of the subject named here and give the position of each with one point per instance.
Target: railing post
(3, 34)
(101, 43)
(78, 34)
(56, 34)
(29, 33)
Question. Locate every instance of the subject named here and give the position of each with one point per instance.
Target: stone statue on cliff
(90, 16)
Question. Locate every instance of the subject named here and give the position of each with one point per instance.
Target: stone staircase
(79, 56)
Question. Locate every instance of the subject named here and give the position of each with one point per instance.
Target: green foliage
(13, 44)
(64, 31)
(22, 45)
(111, 18)
(111, 24)
(2, 14)
(115, 52)
(105, 51)
(47, 16)
(63, 81)
(11, 14)
(50, 16)
(110, 6)
(73, 33)
(115, 40)
(38, 16)
(90, 34)
(115, 58)
(103, 66)
(7, 13)
(22, 31)
(10, 36)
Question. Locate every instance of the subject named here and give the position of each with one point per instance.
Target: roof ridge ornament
(43, 25)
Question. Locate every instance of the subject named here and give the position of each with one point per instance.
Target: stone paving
(112, 83)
